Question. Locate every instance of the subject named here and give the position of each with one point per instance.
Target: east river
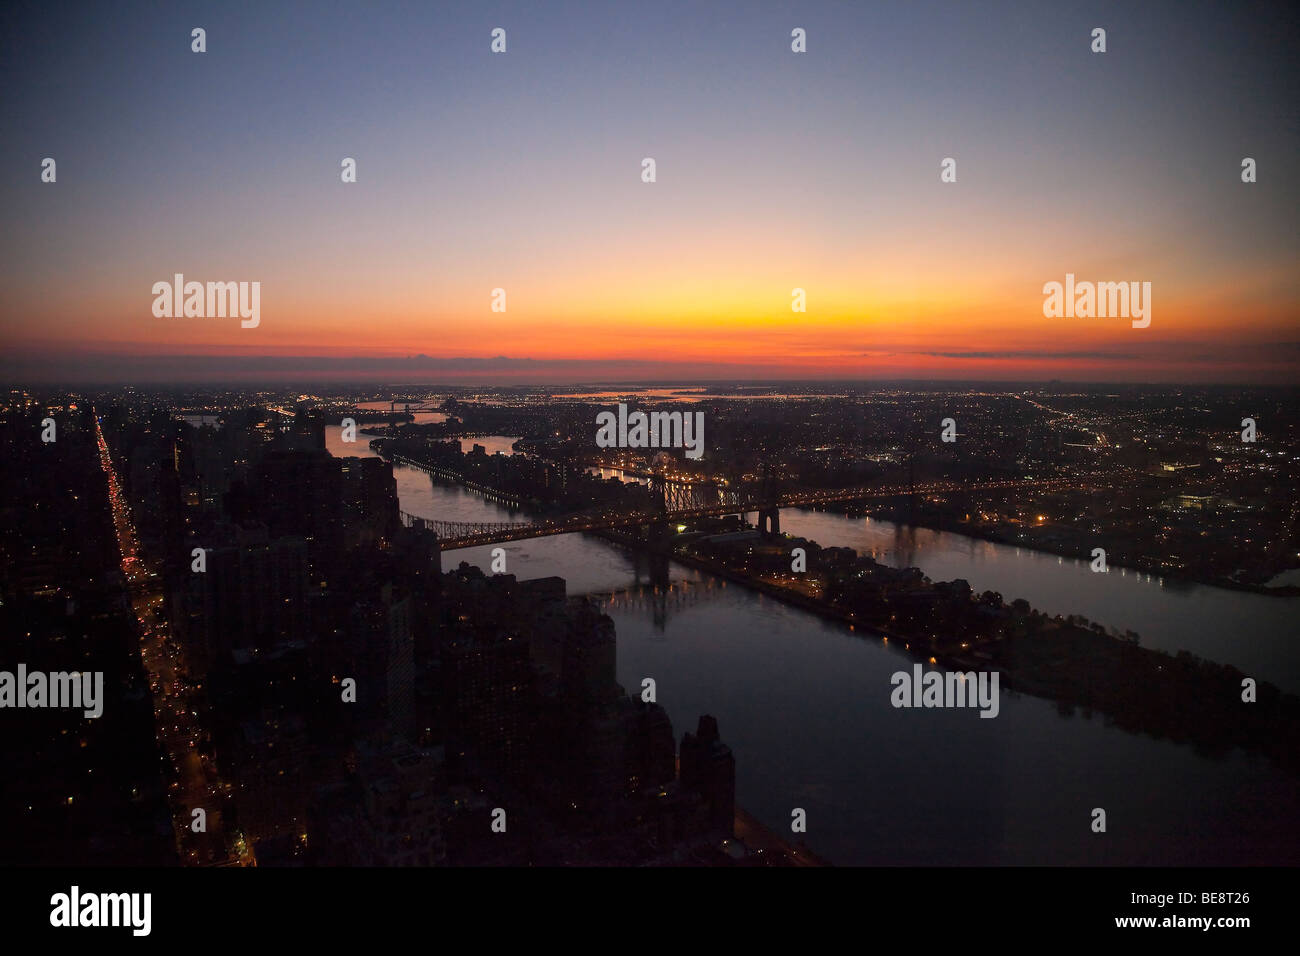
(804, 704)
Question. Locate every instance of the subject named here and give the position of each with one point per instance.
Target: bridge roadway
(450, 474)
(460, 534)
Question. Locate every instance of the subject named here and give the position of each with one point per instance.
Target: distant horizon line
(557, 388)
(82, 368)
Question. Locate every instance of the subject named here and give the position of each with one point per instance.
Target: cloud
(1033, 354)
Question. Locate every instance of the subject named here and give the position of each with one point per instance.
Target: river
(804, 704)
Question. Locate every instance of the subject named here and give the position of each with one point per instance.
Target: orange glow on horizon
(902, 324)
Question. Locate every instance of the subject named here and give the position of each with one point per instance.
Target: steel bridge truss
(676, 502)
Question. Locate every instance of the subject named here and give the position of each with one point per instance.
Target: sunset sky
(775, 170)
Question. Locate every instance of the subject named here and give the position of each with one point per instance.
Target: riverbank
(1180, 697)
(1135, 564)
(794, 598)
(806, 709)
(764, 840)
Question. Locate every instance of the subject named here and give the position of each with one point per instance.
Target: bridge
(411, 407)
(679, 502)
(510, 499)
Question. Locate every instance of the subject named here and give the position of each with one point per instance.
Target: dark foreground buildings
(311, 679)
(75, 789)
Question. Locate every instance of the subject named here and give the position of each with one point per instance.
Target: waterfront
(1169, 615)
(804, 705)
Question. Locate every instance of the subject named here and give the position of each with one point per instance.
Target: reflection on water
(418, 418)
(1290, 578)
(1254, 632)
(804, 705)
(618, 473)
(587, 563)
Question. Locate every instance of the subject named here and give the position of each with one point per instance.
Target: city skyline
(499, 615)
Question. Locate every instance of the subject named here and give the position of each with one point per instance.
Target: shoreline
(965, 531)
(759, 838)
(1173, 577)
(1024, 673)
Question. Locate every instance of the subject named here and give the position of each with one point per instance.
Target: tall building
(252, 595)
(300, 493)
(370, 500)
(270, 762)
(487, 697)
(652, 750)
(708, 768)
(385, 662)
(402, 792)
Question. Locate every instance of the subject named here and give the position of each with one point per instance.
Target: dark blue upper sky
(477, 171)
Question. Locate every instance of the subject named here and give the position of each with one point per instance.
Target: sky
(775, 170)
